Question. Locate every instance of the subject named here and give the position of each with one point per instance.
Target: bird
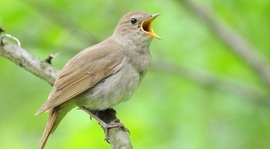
(104, 74)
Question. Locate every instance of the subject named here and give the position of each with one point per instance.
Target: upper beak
(146, 26)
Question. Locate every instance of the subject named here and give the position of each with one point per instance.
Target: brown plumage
(102, 75)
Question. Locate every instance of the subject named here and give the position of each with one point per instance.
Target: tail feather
(50, 126)
(56, 114)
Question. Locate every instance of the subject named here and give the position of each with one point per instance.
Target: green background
(198, 94)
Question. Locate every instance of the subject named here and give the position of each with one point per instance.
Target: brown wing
(82, 72)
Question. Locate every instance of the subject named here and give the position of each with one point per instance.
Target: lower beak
(146, 26)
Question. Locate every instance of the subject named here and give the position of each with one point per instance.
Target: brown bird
(104, 74)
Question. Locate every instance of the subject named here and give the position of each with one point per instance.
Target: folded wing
(82, 72)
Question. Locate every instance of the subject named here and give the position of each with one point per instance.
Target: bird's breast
(112, 90)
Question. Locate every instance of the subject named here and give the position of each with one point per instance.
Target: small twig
(12, 37)
(50, 57)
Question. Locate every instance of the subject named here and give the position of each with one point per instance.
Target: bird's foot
(113, 124)
(109, 116)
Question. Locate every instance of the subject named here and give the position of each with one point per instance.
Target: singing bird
(105, 74)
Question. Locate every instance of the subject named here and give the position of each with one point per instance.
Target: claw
(106, 126)
(113, 124)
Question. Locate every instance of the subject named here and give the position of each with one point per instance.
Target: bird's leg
(107, 119)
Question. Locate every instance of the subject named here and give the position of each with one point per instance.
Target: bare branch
(118, 137)
(29, 62)
(233, 39)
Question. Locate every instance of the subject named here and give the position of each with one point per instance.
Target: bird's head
(136, 25)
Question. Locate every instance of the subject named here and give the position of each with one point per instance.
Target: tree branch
(118, 137)
(27, 61)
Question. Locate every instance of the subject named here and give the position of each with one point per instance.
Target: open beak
(146, 26)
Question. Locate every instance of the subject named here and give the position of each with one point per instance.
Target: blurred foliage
(168, 110)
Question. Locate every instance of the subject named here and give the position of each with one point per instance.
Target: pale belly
(112, 90)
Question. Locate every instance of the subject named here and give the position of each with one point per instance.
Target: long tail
(55, 116)
(50, 126)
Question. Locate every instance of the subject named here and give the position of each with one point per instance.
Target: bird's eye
(133, 20)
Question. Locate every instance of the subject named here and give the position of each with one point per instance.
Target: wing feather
(82, 72)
